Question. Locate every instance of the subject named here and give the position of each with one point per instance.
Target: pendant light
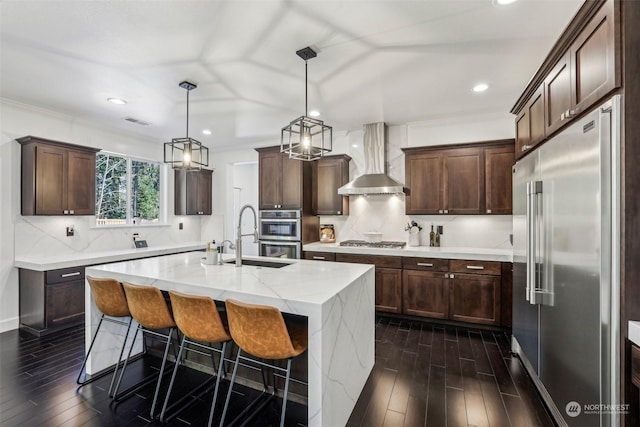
(186, 153)
(306, 138)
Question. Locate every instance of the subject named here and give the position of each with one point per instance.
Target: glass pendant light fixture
(186, 153)
(306, 138)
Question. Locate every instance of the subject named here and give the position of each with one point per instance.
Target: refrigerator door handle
(534, 190)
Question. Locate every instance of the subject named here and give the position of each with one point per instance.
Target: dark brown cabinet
(425, 293)
(193, 192)
(332, 173)
(530, 128)
(474, 291)
(51, 300)
(455, 179)
(320, 256)
(580, 71)
(284, 183)
(57, 178)
(388, 280)
(498, 179)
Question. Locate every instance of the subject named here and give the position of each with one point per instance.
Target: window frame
(162, 190)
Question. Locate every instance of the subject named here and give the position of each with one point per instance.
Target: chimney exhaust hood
(374, 180)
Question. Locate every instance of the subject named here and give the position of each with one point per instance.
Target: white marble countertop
(91, 258)
(477, 254)
(634, 332)
(301, 281)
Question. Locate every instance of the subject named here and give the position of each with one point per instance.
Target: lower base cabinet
(388, 290)
(474, 298)
(461, 290)
(51, 300)
(425, 293)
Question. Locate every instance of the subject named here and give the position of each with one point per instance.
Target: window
(127, 190)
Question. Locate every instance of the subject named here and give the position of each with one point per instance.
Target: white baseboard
(9, 324)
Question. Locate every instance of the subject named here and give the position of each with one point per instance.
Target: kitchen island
(336, 298)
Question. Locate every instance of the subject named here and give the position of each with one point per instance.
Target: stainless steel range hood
(374, 180)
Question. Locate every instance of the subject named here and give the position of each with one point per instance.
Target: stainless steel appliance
(280, 225)
(566, 269)
(280, 249)
(280, 233)
(384, 244)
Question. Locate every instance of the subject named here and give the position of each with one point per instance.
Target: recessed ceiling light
(206, 132)
(354, 145)
(117, 101)
(480, 87)
(504, 2)
(314, 113)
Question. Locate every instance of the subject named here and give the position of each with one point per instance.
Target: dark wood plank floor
(425, 374)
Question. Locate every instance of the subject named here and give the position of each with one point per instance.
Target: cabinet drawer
(425, 264)
(64, 275)
(65, 303)
(320, 256)
(474, 267)
(377, 260)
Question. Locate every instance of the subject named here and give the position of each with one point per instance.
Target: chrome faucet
(240, 235)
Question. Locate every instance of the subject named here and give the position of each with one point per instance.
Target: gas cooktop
(383, 244)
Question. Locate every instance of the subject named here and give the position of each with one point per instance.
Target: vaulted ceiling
(395, 61)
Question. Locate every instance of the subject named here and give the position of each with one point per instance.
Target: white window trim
(162, 214)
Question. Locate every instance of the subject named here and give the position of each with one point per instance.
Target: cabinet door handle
(451, 276)
(525, 147)
(339, 213)
(475, 267)
(440, 211)
(318, 257)
(488, 210)
(77, 273)
(425, 264)
(65, 212)
(71, 212)
(446, 211)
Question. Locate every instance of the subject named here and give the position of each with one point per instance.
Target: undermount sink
(260, 263)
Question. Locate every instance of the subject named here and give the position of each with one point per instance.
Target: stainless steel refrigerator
(566, 268)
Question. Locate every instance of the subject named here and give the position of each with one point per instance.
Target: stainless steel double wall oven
(280, 233)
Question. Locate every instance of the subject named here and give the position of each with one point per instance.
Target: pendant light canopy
(186, 153)
(306, 138)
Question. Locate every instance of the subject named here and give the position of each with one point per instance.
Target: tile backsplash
(386, 215)
(46, 236)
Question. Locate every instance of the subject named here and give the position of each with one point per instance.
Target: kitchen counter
(92, 258)
(634, 332)
(478, 254)
(337, 299)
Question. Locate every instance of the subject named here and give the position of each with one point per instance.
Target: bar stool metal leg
(233, 379)
(219, 377)
(164, 363)
(286, 392)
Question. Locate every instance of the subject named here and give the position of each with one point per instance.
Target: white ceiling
(394, 61)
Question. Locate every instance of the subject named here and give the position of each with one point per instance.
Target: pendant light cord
(188, 112)
(306, 89)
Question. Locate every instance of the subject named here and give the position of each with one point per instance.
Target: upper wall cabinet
(57, 178)
(193, 192)
(332, 173)
(530, 129)
(580, 71)
(459, 179)
(284, 183)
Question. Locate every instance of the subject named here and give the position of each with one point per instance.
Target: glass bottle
(432, 237)
(437, 239)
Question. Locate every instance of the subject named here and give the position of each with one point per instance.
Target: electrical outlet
(70, 231)
(180, 226)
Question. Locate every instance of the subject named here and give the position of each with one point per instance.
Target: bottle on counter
(432, 237)
(437, 238)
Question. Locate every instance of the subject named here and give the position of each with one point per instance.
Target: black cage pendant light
(306, 138)
(186, 153)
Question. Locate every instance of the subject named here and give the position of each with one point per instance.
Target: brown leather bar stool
(200, 322)
(149, 308)
(109, 297)
(260, 331)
